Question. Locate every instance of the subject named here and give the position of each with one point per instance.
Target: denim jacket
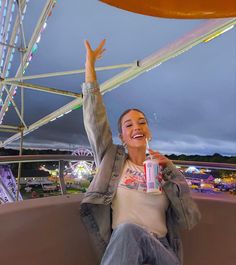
(110, 158)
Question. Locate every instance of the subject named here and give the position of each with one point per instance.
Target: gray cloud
(189, 100)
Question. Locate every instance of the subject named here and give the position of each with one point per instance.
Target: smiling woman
(128, 224)
(134, 130)
(125, 112)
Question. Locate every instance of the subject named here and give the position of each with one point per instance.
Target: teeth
(137, 135)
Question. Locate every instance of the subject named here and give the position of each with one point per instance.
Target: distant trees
(217, 158)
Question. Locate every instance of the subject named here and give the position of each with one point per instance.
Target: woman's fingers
(162, 160)
(100, 46)
(93, 55)
(100, 54)
(87, 45)
(154, 152)
(102, 51)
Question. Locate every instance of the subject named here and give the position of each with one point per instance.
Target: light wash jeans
(130, 244)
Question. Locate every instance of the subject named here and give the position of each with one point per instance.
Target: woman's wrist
(90, 74)
(90, 63)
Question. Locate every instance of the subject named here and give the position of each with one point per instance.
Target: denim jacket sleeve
(95, 120)
(185, 210)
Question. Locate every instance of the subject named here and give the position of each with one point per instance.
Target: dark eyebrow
(126, 121)
(129, 120)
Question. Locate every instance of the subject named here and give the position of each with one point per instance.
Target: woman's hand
(162, 160)
(93, 55)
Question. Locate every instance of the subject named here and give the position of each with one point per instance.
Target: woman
(128, 225)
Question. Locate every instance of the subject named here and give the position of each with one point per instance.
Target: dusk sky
(190, 100)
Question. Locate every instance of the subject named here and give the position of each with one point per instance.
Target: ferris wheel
(83, 168)
(83, 151)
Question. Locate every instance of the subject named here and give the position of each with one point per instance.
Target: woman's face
(135, 129)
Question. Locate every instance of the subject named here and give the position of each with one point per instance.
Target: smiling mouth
(138, 136)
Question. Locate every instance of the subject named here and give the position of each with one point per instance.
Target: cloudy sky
(190, 100)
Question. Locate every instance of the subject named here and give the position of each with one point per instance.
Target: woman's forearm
(90, 73)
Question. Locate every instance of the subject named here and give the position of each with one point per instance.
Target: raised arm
(94, 112)
(91, 57)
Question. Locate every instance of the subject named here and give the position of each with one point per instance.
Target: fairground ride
(12, 15)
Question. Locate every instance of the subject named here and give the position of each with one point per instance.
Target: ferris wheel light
(26, 65)
(30, 58)
(11, 57)
(16, 39)
(60, 115)
(13, 8)
(14, 91)
(38, 39)
(44, 25)
(68, 112)
(24, 10)
(218, 34)
(34, 48)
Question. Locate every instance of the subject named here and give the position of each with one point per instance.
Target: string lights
(30, 54)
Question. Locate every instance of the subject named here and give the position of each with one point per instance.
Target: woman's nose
(137, 127)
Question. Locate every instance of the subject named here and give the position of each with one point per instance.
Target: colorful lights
(35, 46)
(29, 53)
(34, 49)
(44, 26)
(5, 29)
(77, 107)
(61, 115)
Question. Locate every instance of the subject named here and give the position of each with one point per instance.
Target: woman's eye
(128, 125)
(142, 122)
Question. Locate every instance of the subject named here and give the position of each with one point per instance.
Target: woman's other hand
(162, 160)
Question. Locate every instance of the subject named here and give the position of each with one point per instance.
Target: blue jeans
(130, 244)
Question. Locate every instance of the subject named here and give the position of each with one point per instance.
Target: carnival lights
(32, 48)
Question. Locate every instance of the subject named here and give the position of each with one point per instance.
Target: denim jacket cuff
(168, 172)
(90, 87)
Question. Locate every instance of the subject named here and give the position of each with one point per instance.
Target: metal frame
(58, 158)
(46, 11)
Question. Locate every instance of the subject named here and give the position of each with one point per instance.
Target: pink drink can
(151, 169)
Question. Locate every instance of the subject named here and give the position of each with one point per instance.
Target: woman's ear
(121, 138)
(149, 137)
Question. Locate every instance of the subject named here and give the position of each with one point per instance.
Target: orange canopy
(188, 9)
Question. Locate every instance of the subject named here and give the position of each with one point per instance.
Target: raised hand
(91, 57)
